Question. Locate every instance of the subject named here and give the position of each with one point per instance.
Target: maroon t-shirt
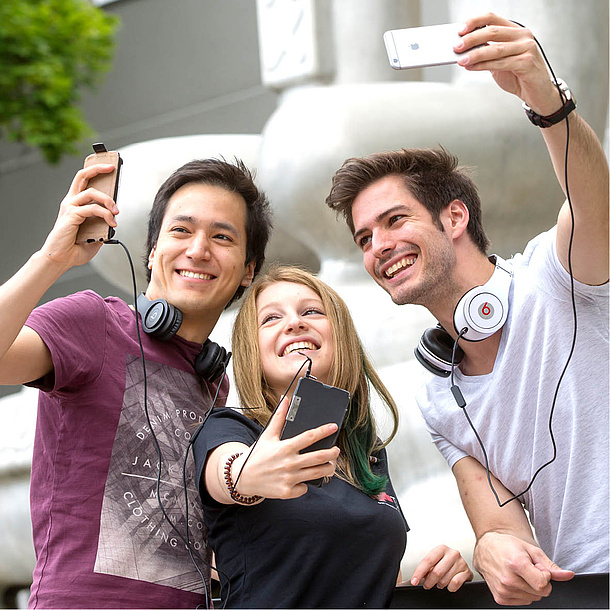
(101, 540)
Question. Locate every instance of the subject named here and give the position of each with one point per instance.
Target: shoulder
(540, 267)
(229, 416)
(84, 304)
(224, 425)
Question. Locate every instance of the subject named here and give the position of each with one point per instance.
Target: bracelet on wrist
(236, 496)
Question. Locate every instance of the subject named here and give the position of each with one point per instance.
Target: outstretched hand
(510, 53)
(79, 204)
(442, 568)
(276, 468)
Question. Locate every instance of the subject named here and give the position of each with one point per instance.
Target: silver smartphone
(423, 46)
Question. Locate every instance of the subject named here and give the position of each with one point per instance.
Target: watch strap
(568, 105)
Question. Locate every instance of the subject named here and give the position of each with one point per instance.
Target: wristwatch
(569, 104)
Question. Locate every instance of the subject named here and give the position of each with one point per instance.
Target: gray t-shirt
(568, 503)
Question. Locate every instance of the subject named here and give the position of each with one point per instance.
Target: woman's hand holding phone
(275, 468)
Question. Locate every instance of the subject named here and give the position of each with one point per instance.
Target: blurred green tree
(49, 51)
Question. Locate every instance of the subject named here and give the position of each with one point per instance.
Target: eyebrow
(224, 226)
(307, 301)
(378, 219)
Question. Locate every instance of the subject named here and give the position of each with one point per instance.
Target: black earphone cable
(152, 432)
(197, 432)
(455, 389)
(307, 374)
(186, 501)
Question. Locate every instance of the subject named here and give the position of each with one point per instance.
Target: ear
(455, 218)
(246, 280)
(151, 257)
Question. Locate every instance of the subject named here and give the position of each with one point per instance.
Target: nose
(294, 322)
(198, 247)
(382, 243)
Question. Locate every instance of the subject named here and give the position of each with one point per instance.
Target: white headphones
(483, 309)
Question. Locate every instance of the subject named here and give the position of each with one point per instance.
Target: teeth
(197, 276)
(295, 347)
(401, 264)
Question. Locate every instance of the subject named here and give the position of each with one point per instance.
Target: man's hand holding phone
(80, 204)
(510, 53)
(87, 213)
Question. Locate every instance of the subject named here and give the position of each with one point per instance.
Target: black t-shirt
(334, 547)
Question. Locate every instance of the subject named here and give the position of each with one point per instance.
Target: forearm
(215, 470)
(587, 165)
(587, 179)
(483, 511)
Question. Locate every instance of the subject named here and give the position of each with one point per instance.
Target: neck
(473, 270)
(197, 328)
(480, 356)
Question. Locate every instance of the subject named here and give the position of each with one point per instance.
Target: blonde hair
(351, 370)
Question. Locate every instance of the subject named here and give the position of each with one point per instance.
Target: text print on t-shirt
(135, 539)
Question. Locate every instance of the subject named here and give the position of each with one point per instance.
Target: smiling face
(291, 319)
(198, 261)
(403, 249)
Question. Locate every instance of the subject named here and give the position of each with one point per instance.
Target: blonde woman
(280, 542)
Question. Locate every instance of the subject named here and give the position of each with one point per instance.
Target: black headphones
(481, 311)
(162, 320)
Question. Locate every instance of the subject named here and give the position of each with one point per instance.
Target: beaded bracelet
(231, 487)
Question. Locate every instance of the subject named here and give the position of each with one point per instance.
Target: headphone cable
(152, 432)
(455, 389)
(308, 374)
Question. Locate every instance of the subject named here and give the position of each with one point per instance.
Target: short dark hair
(234, 177)
(432, 176)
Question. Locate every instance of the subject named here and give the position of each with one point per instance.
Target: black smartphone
(315, 404)
(96, 229)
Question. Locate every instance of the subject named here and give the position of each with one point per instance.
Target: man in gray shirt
(417, 219)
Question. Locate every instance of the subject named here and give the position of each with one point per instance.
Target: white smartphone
(424, 46)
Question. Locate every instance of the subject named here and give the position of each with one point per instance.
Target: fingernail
(414, 581)
(462, 61)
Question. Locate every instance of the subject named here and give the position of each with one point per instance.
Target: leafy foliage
(49, 51)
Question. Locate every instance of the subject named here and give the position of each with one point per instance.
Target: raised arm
(515, 62)
(506, 553)
(23, 355)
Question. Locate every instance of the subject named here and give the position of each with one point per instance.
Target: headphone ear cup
(435, 351)
(483, 310)
(159, 318)
(211, 361)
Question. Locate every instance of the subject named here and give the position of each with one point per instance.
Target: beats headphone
(162, 320)
(479, 313)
